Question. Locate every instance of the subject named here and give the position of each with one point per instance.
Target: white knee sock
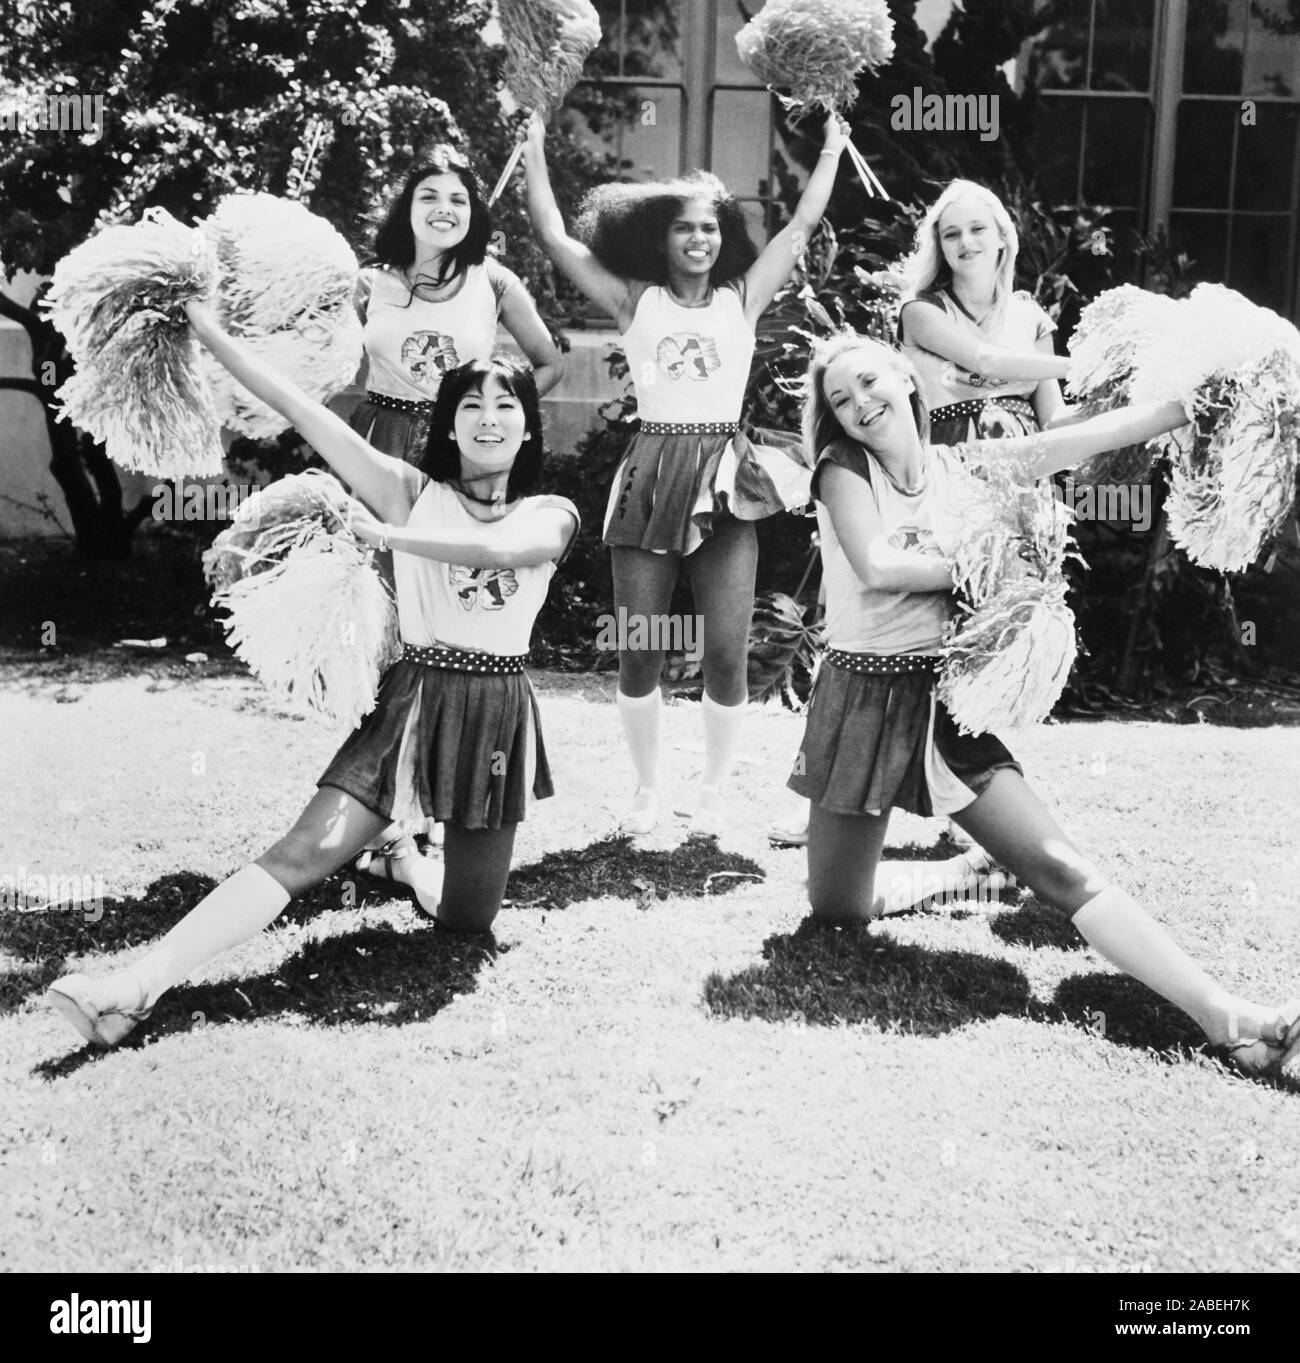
(237, 909)
(722, 726)
(640, 716)
(1118, 927)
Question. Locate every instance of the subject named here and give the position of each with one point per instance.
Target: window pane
(1121, 45)
(1273, 49)
(1203, 159)
(1212, 54)
(1261, 260)
(741, 139)
(1266, 158)
(640, 38)
(730, 69)
(640, 126)
(1056, 147)
(1116, 151)
(1060, 59)
(1204, 237)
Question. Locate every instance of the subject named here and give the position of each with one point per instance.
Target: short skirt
(876, 741)
(460, 747)
(404, 435)
(982, 419)
(671, 488)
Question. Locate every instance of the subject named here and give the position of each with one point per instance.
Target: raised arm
(528, 537)
(776, 263)
(1065, 447)
(376, 478)
(571, 257)
(858, 526)
(932, 329)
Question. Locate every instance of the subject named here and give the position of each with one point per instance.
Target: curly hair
(441, 460)
(819, 424)
(395, 241)
(625, 227)
(925, 267)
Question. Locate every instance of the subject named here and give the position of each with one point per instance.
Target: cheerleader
(429, 300)
(674, 266)
(983, 352)
(877, 738)
(455, 733)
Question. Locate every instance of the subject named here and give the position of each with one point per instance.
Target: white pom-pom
(118, 299)
(318, 628)
(287, 280)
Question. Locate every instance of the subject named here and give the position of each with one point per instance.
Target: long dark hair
(395, 241)
(442, 455)
(626, 225)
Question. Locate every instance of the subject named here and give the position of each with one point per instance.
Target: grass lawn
(657, 1062)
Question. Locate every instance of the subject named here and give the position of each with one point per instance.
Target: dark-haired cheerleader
(454, 734)
(674, 265)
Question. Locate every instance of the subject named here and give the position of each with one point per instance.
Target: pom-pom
(118, 299)
(1116, 335)
(308, 611)
(1009, 654)
(814, 49)
(547, 42)
(287, 280)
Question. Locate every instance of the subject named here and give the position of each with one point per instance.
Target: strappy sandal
(637, 822)
(985, 868)
(1258, 1057)
(70, 997)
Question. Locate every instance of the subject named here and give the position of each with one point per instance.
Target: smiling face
(490, 428)
(440, 211)
(969, 238)
(869, 396)
(693, 240)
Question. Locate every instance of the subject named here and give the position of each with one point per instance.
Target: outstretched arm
(776, 263)
(866, 545)
(520, 541)
(376, 478)
(1053, 451)
(931, 328)
(575, 260)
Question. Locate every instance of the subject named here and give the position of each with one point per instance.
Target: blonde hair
(818, 423)
(925, 267)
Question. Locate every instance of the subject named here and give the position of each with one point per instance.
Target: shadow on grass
(375, 975)
(615, 868)
(43, 940)
(1033, 924)
(822, 974)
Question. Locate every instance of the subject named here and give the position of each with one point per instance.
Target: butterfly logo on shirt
(916, 538)
(482, 589)
(428, 355)
(688, 355)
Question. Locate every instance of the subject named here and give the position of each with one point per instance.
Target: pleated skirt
(404, 435)
(670, 489)
(459, 747)
(878, 742)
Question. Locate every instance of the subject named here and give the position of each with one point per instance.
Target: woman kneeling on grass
(455, 731)
(877, 738)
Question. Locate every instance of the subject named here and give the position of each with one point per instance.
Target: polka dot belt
(883, 664)
(972, 407)
(689, 427)
(463, 660)
(399, 404)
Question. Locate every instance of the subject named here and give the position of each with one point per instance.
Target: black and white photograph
(650, 637)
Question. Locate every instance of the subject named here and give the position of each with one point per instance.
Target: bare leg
(478, 866)
(1013, 824)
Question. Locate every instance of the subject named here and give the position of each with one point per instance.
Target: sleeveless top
(689, 364)
(944, 382)
(860, 619)
(411, 342)
(491, 610)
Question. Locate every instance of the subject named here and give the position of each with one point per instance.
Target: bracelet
(826, 151)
